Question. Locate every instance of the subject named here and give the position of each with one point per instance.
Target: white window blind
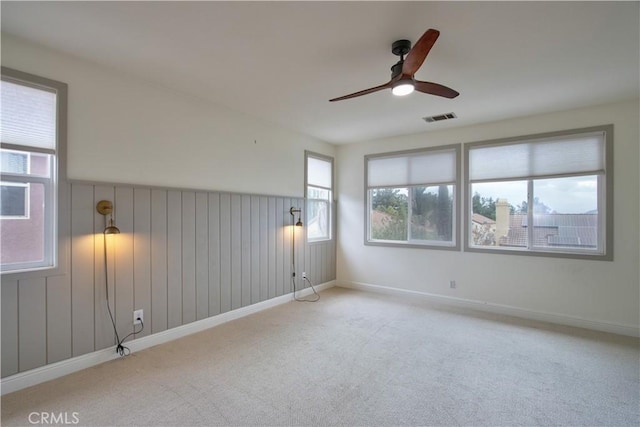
(412, 169)
(581, 154)
(318, 172)
(28, 116)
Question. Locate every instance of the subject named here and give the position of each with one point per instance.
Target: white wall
(126, 130)
(597, 291)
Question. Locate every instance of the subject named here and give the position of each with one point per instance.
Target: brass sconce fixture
(105, 207)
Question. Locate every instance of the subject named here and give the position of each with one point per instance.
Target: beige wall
(127, 130)
(595, 291)
(201, 195)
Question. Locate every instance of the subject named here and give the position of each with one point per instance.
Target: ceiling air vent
(439, 118)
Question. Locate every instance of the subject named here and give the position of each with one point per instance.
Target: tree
(484, 206)
(393, 205)
(389, 200)
(443, 213)
(538, 207)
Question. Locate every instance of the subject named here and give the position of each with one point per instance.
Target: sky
(563, 195)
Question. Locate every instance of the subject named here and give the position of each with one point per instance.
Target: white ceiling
(282, 61)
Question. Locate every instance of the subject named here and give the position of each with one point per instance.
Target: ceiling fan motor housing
(399, 48)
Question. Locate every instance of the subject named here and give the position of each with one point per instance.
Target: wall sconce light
(105, 207)
(292, 210)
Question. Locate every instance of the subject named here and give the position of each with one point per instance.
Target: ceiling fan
(402, 81)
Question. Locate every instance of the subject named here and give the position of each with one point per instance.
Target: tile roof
(481, 219)
(574, 230)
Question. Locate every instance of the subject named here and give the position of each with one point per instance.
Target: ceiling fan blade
(363, 92)
(435, 89)
(419, 52)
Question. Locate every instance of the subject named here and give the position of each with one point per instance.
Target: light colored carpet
(357, 358)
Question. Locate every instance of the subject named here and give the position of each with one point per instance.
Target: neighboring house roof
(481, 219)
(575, 230)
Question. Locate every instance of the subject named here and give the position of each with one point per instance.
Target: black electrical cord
(120, 348)
(293, 262)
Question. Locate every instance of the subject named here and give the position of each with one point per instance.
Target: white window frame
(454, 244)
(56, 186)
(328, 202)
(605, 198)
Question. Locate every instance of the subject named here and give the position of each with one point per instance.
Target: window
(411, 198)
(542, 194)
(32, 136)
(319, 191)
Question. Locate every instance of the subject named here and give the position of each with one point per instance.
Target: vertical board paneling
(303, 243)
(307, 257)
(181, 256)
(225, 252)
(287, 233)
(255, 249)
(264, 248)
(324, 267)
(188, 257)
(82, 271)
(9, 332)
(58, 318)
(279, 247)
(313, 249)
(174, 258)
(332, 259)
(272, 246)
(159, 243)
(142, 257)
(300, 246)
(214, 254)
(202, 256)
(123, 213)
(318, 263)
(104, 336)
(245, 244)
(32, 323)
(236, 251)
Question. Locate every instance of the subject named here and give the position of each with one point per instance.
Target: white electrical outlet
(452, 284)
(304, 275)
(138, 314)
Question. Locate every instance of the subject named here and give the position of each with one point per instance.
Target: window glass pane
(22, 239)
(432, 213)
(27, 116)
(25, 163)
(318, 193)
(318, 172)
(318, 219)
(565, 212)
(14, 199)
(499, 214)
(388, 216)
(14, 162)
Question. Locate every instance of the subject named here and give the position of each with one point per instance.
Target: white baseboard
(55, 370)
(560, 319)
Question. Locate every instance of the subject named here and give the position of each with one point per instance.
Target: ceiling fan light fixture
(403, 88)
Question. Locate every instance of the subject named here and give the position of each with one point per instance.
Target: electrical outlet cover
(138, 314)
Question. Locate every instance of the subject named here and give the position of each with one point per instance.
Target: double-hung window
(31, 136)
(319, 193)
(545, 194)
(412, 198)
